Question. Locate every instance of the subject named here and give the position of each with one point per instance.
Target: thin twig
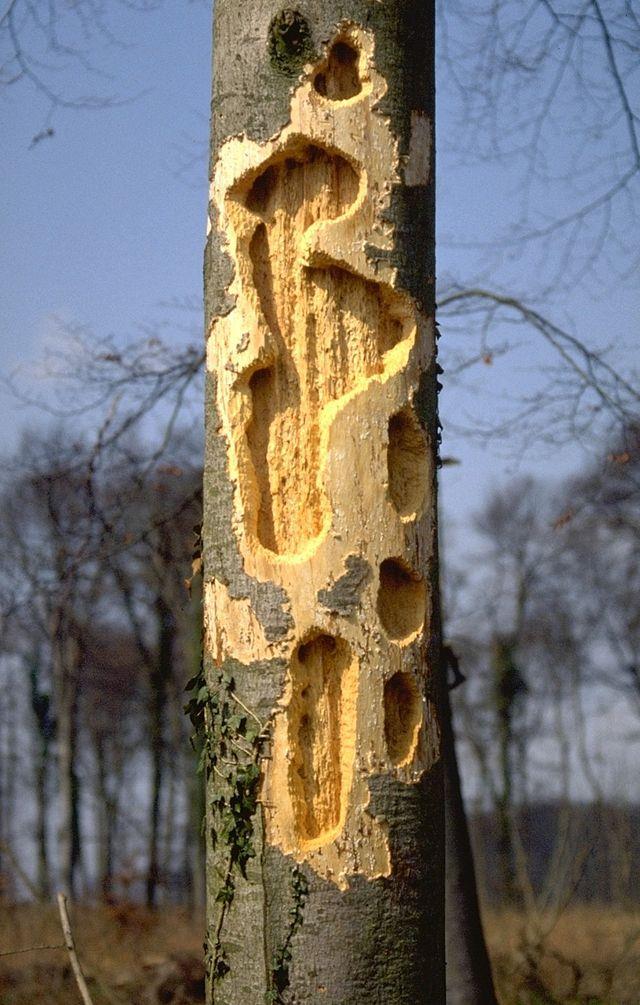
(33, 949)
(71, 949)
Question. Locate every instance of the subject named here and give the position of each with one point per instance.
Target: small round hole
(339, 79)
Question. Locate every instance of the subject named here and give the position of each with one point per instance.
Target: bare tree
(578, 397)
(550, 90)
(40, 41)
(50, 541)
(41, 707)
(598, 523)
(112, 703)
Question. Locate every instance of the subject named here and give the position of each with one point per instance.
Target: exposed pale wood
(315, 367)
(320, 557)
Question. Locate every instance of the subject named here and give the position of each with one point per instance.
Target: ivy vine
(282, 956)
(230, 737)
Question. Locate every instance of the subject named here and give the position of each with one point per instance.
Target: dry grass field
(590, 956)
(130, 956)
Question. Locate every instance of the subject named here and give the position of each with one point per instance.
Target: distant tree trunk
(322, 637)
(194, 838)
(42, 808)
(4, 872)
(40, 707)
(10, 758)
(170, 785)
(107, 804)
(7, 879)
(509, 688)
(65, 680)
(469, 977)
(159, 680)
(194, 849)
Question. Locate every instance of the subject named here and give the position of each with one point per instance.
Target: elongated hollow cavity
(402, 599)
(402, 717)
(407, 463)
(322, 727)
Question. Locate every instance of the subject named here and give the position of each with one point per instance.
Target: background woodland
(99, 542)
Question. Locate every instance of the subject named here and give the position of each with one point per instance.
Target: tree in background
(102, 541)
(49, 555)
(546, 603)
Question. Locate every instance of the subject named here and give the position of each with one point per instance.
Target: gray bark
(291, 935)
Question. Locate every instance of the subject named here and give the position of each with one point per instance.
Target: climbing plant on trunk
(318, 699)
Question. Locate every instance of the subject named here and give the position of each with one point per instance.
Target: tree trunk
(65, 682)
(194, 851)
(4, 873)
(158, 700)
(107, 811)
(41, 710)
(42, 806)
(170, 785)
(469, 977)
(322, 635)
(9, 756)
(509, 689)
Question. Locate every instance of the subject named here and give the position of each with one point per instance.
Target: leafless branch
(40, 41)
(584, 386)
(33, 949)
(71, 949)
(550, 90)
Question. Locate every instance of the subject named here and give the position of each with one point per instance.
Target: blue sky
(101, 228)
(96, 228)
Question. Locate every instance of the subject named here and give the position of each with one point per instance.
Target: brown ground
(590, 957)
(130, 956)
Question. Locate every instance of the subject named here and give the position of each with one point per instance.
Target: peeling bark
(322, 633)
